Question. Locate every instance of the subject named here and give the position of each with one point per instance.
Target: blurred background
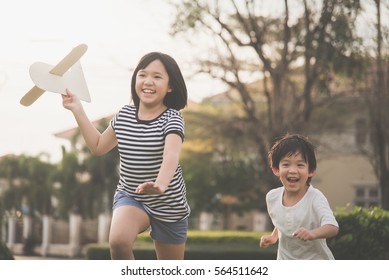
(255, 70)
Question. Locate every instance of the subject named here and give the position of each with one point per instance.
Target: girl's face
(152, 84)
(293, 172)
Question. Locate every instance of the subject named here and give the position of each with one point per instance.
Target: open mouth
(293, 179)
(148, 91)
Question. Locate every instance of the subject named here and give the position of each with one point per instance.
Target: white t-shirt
(312, 211)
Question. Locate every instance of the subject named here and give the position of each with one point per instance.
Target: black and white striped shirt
(140, 145)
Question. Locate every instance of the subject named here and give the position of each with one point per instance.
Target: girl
(151, 191)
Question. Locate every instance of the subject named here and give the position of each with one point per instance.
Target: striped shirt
(141, 144)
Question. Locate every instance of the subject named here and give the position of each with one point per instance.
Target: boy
(301, 215)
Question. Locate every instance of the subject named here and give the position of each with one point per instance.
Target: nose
(148, 81)
(293, 169)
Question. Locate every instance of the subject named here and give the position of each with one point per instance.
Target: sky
(117, 32)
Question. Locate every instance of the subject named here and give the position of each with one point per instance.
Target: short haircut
(289, 145)
(178, 97)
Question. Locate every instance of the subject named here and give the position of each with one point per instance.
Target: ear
(169, 89)
(311, 174)
(276, 171)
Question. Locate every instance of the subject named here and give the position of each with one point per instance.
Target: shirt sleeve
(325, 213)
(175, 125)
(114, 119)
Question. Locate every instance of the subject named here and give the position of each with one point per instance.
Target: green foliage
(5, 253)
(98, 252)
(363, 234)
(219, 139)
(87, 186)
(246, 239)
(69, 191)
(30, 182)
(103, 170)
(187, 16)
(201, 245)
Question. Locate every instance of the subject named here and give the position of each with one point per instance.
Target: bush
(201, 245)
(363, 234)
(226, 238)
(5, 253)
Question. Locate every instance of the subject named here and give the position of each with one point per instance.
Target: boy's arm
(267, 240)
(274, 234)
(325, 231)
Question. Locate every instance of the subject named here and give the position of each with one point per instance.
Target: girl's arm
(98, 143)
(171, 154)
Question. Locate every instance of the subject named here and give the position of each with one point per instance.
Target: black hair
(178, 97)
(289, 145)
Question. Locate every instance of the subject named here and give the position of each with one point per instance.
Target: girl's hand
(70, 101)
(150, 188)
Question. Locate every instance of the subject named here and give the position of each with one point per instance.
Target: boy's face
(293, 172)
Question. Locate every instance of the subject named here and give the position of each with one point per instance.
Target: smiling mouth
(293, 180)
(148, 91)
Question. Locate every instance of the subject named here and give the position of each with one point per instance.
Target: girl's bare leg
(127, 222)
(167, 251)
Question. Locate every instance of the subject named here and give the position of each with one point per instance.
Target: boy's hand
(304, 234)
(267, 240)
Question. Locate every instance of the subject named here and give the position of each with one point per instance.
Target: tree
(30, 184)
(87, 181)
(282, 66)
(378, 100)
(69, 192)
(104, 176)
(218, 162)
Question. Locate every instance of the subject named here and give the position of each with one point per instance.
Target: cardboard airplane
(67, 74)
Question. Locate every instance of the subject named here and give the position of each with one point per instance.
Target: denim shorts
(166, 232)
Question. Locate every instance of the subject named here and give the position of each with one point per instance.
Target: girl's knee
(121, 249)
(117, 243)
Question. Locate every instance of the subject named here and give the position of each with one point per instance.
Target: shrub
(201, 245)
(5, 253)
(98, 252)
(363, 234)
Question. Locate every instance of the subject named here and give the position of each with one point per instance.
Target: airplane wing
(60, 69)
(32, 95)
(68, 61)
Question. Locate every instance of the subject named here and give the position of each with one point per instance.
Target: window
(373, 193)
(360, 192)
(367, 195)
